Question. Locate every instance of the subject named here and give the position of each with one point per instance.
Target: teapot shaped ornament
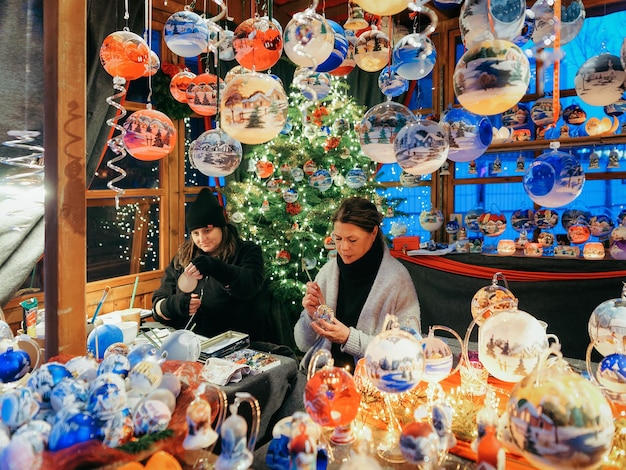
(236, 455)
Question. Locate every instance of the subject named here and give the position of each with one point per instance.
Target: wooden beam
(65, 37)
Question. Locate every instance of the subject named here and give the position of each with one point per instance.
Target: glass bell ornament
(492, 299)
(215, 153)
(371, 51)
(179, 84)
(484, 20)
(265, 120)
(390, 83)
(468, 134)
(202, 93)
(617, 243)
(186, 34)
(339, 52)
(572, 17)
(331, 398)
(554, 179)
(599, 81)
(608, 320)
(421, 147)
(491, 77)
(150, 134)
(379, 128)
(414, 56)
(258, 43)
(124, 54)
(237, 447)
(309, 39)
(558, 418)
(431, 220)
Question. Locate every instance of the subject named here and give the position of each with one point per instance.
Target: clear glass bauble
(179, 84)
(469, 134)
(258, 43)
(124, 54)
(492, 223)
(253, 124)
(356, 178)
(394, 359)
(339, 52)
(390, 83)
(617, 243)
(414, 56)
(599, 81)
(484, 20)
(202, 93)
(491, 300)
(471, 218)
(379, 128)
(491, 77)
(553, 413)
(608, 320)
(575, 216)
(371, 51)
(386, 8)
(546, 219)
(421, 147)
(186, 34)
(321, 180)
(152, 66)
(215, 153)
(431, 220)
(572, 17)
(601, 224)
(314, 86)
(309, 39)
(523, 219)
(150, 134)
(554, 179)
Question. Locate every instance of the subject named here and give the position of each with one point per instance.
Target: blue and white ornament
(145, 377)
(73, 428)
(150, 416)
(321, 180)
(44, 378)
(356, 178)
(69, 391)
(115, 363)
(18, 406)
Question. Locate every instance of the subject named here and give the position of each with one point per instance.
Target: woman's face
(352, 241)
(207, 238)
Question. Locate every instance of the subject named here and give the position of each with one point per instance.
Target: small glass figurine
(236, 455)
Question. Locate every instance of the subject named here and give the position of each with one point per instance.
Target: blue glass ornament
(340, 51)
(414, 56)
(321, 180)
(469, 134)
(391, 83)
(14, 364)
(74, 428)
(186, 34)
(44, 378)
(355, 178)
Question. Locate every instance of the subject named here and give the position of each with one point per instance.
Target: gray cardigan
(393, 292)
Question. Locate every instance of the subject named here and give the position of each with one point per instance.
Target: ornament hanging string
(116, 143)
(557, 70)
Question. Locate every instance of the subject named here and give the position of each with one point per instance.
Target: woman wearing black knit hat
(216, 277)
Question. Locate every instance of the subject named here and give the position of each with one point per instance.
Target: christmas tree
(296, 182)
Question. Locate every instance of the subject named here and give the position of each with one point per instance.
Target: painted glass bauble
(578, 233)
(491, 77)
(554, 179)
(186, 34)
(386, 8)
(314, 86)
(484, 20)
(151, 416)
(511, 343)
(150, 134)
(431, 220)
(575, 216)
(72, 428)
(516, 117)
(153, 65)
(468, 134)
(309, 39)
(331, 397)
(106, 399)
(617, 243)
(491, 300)
(124, 54)
(202, 93)
(145, 377)
(69, 391)
(546, 219)
(559, 419)
(253, 108)
(258, 43)
(611, 372)
(356, 178)
(419, 444)
(617, 108)
(523, 219)
(414, 56)
(492, 223)
(572, 17)
(471, 218)
(101, 337)
(421, 147)
(181, 345)
(599, 81)
(225, 46)
(14, 364)
(601, 224)
(394, 359)
(608, 319)
(215, 153)
(390, 83)
(348, 63)
(179, 84)
(235, 71)
(37, 432)
(453, 227)
(542, 112)
(408, 180)
(340, 49)
(438, 359)
(379, 128)
(321, 180)
(371, 51)
(574, 114)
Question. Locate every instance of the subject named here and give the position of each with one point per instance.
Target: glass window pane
(122, 241)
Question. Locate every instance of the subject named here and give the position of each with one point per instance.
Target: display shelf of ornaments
(565, 142)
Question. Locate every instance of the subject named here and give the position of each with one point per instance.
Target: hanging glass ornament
(186, 34)
(414, 56)
(150, 134)
(225, 46)
(339, 52)
(491, 77)
(153, 65)
(356, 178)
(348, 63)
(215, 153)
(523, 220)
(572, 17)
(315, 86)
(431, 220)
(421, 147)
(202, 93)
(484, 20)
(309, 39)
(390, 83)
(379, 128)
(371, 52)
(253, 108)
(599, 81)
(321, 180)
(386, 8)
(542, 111)
(258, 43)
(469, 134)
(179, 84)
(236, 70)
(554, 179)
(124, 54)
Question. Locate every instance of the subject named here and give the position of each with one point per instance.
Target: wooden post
(65, 38)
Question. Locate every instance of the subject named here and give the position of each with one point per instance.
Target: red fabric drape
(471, 270)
